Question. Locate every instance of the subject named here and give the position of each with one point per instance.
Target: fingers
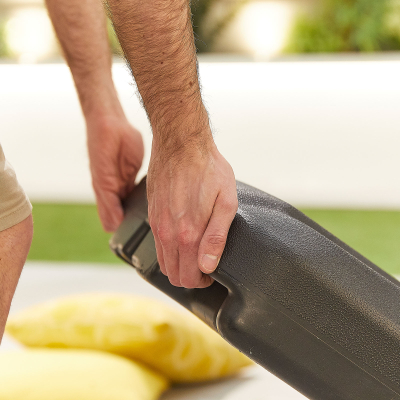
(177, 252)
(189, 253)
(160, 256)
(177, 257)
(214, 239)
(171, 259)
(188, 243)
(116, 154)
(110, 210)
(167, 253)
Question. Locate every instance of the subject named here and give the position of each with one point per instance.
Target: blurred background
(258, 29)
(304, 99)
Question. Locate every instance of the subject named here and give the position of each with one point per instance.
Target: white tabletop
(43, 281)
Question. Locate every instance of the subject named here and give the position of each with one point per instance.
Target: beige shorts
(14, 204)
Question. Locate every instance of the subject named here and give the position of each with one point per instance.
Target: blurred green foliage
(348, 25)
(206, 30)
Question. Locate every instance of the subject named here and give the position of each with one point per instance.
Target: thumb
(214, 239)
(110, 210)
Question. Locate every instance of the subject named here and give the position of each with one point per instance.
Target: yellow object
(75, 374)
(174, 343)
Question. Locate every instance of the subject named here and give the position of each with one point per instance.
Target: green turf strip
(69, 232)
(374, 234)
(72, 232)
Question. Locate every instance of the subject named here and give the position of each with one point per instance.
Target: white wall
(313, 133)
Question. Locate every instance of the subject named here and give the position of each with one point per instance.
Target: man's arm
(115, 147)
(191, 187)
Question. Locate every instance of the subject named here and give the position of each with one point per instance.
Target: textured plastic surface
(291, 296)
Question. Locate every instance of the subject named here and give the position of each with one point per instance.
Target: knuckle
(185, 237)
(190, 282)
(164, 232)
(230, 203)
(205, 281)
(174, 281)
(235, 203)
(216, 239)
(152, 223)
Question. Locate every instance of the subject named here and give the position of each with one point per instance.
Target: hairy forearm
(157, 39)
(191, 188)
(81, 29)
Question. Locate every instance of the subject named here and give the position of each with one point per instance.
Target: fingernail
(209, 262)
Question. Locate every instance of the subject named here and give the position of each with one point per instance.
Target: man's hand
(192, 202)
(116, 154)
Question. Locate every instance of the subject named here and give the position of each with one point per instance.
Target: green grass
(72, 232)
(69, 232)
(374, 234)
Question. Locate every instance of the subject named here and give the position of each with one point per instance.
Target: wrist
(102, 123)
(98, 98)
(178, 125)
(103, 108)
(182, 143)
(102, 112)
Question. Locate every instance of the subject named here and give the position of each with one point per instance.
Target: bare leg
(14, 247)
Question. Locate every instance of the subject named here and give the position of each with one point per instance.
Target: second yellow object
(174, 343)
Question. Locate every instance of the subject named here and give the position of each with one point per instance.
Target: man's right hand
(116, 154)
(192, 202)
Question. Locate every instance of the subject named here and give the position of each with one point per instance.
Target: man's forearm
(191, 188)
(115, 147)
(157, 39)
(81, 29)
